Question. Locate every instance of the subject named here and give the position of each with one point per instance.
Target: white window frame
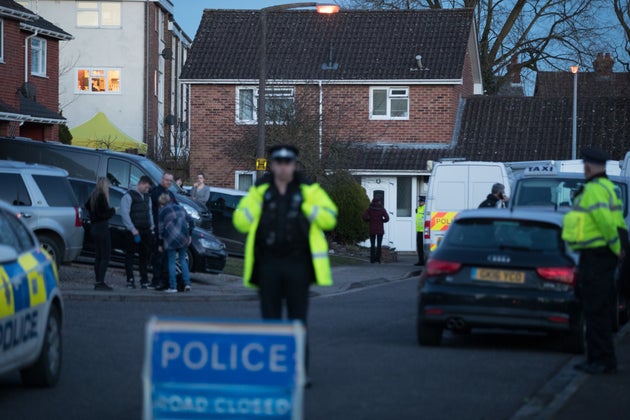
(1, 40)
(254, 120)
(237, 175)
(99, 10)
(390, 95)
(89, 91)
(42, 52)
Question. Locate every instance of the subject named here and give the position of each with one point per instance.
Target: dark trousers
(285, 279)
(375, 248)
(143, 250)
(420, 246)
(159, 265)
(597, 290)
(103, 248)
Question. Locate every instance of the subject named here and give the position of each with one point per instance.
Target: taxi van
(31, 306)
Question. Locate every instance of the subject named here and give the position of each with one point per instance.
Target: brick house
(124, 62)
(29, 73)
(371, 79)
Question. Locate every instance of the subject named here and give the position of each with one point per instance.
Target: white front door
(385, 189)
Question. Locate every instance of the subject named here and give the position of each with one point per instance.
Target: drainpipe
(321, 117)
(26, 41)
(147, 75)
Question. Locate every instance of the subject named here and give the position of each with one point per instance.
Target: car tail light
(437, 267)
(559, 319)
(565, 275)
(434, 311)
(77, 217)
(427, 229)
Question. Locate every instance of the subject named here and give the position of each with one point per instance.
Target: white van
(456, 186)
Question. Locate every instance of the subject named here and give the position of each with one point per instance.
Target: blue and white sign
(196, 369)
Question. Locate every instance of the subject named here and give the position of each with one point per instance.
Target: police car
(30, 305)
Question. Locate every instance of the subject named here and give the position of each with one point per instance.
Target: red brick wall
(213, 130)
(12, 70)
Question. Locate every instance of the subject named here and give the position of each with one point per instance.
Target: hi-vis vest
(318, 208)
(595, 218)
(420, 218)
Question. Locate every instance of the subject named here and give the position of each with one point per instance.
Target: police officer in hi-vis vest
(420, 230)
(595, 227)
(285, 217)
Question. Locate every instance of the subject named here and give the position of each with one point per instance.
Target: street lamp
(574, 70)
(262, 81)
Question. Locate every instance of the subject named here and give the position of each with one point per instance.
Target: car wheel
(46, 370)
(52, 246)
(575, 340)
(429, 334)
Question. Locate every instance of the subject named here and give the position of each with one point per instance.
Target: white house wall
(121, 48)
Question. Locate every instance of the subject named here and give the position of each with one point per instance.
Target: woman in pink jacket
(376, 216)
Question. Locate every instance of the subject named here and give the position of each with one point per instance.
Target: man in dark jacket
(376, 215)
(497, 195)
(137, 215)
(160, 276)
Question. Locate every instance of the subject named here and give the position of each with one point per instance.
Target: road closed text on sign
(208, 370)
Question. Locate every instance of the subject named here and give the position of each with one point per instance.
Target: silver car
(46, 203)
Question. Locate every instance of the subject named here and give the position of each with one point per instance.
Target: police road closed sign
(196, 369)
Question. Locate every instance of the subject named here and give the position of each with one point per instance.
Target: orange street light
(328, 9)
(574, 69)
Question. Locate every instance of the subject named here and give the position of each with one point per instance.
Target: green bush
(65, 136)
(351, 201)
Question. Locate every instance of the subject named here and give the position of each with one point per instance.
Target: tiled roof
(31, 21)
(13, 7)
(560, 84)
(47, 28)
(367, 45)
(37, 110)
(6, 108)
(507, 129)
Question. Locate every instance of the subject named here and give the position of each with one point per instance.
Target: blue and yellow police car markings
(7, 302)
(36, 286)
(51, 275)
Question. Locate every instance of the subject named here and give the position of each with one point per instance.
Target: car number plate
(501, 276)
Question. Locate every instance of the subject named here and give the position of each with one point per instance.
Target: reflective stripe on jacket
(596, 217)
(420, 218)
(318, 208)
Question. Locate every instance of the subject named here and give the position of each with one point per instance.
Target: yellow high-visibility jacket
(596, 217)
(318, 208)
(420, 218)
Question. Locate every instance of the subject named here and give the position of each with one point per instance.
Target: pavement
(568, 394)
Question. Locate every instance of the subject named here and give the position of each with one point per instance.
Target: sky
(188, 12)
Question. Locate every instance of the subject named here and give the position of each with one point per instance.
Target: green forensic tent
(100, 133)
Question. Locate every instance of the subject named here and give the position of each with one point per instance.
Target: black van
(122, 169)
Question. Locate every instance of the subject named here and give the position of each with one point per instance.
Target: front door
(385, 189)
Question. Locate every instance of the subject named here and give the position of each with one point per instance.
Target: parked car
(501, 269)
(206, 254)
(31, 307)
(555, 191)
(45, 201)
(222, 203)
(122, 169)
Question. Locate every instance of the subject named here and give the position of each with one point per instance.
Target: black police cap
(595, 155)
(283, 151)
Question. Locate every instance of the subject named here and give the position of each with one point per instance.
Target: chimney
(514, 71)
(603, 64)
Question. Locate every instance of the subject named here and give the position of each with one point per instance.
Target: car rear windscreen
(504, 234)
(56, 190)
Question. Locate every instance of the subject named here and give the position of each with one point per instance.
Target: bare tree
(622, 12)
(541, 33)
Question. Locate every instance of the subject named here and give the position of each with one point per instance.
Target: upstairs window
(95, 80)
(1, 40)
(99, 14)
(278, 103)
(389, 103)
(38, 56)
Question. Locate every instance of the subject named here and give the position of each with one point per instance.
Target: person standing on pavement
(100, 212)
(158, 261)
(496, 198)
(420, 230)
(596, 228)
(137, 216)
(376, 216)
(200, 191)
(175, 229)
(285, 216)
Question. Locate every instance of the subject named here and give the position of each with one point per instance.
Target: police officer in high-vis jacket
(595, 227)
(420, 230)
(285, 216)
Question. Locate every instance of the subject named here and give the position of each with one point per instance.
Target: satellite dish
(167, 53)
(170, 119)
(28, 90)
